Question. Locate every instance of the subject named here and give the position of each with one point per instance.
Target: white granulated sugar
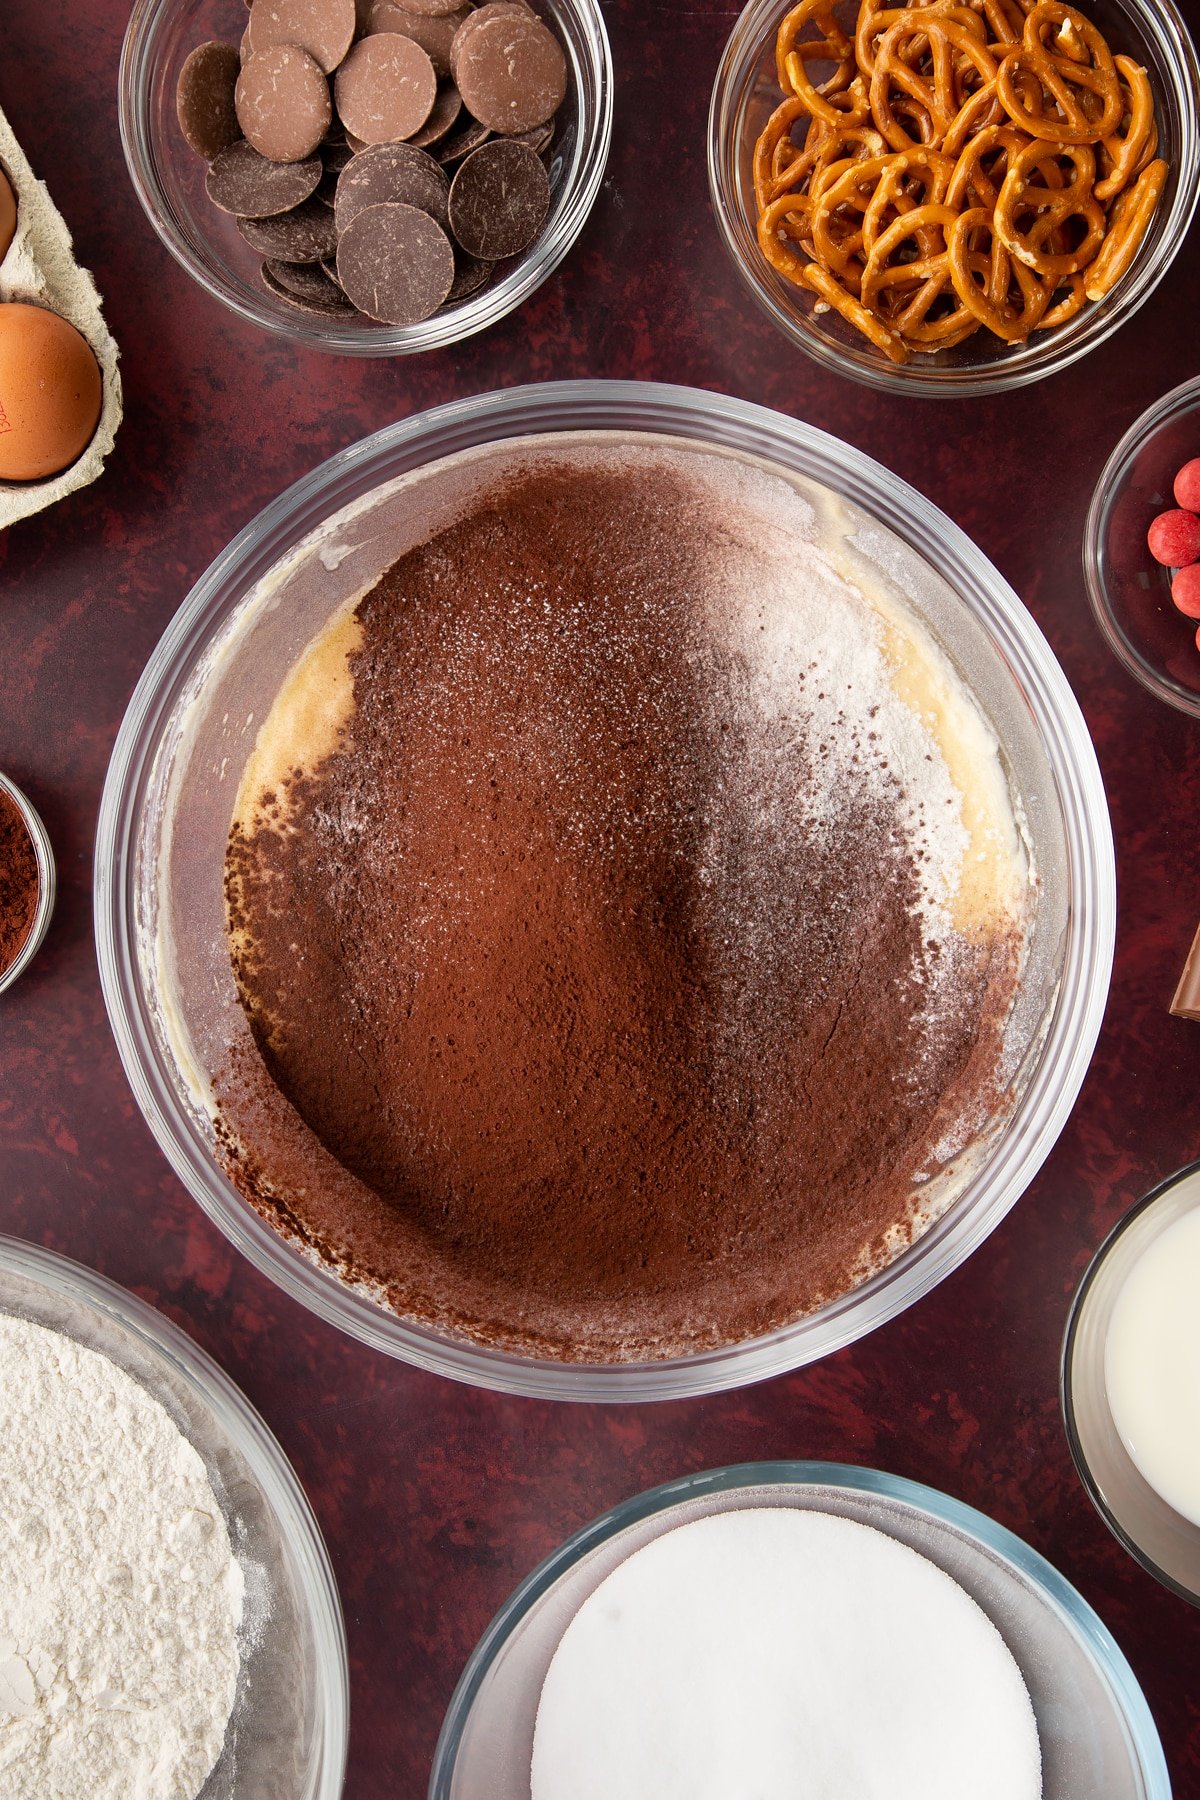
(120, 1596)
(774, 1654)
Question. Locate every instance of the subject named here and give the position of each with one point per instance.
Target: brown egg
(50, 393)
(8, 214)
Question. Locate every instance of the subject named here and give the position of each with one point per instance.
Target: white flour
(120, 1596)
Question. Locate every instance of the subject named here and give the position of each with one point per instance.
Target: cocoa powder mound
(627, 1046)
(20, 884)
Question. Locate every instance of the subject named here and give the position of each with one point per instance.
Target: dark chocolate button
(434, 34)
(324, 28)
(499, 200)
(396, 264)
(447, 109)
(204, 99)
(282, 101)
(392, 172)
(304, 236)
(385, 89)
(325, 299)
(461, 142)
(242, 182)
(510, 71)
(470, 275)
(309, 280)
(335, 154)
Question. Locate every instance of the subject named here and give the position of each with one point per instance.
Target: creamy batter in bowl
(194, 724)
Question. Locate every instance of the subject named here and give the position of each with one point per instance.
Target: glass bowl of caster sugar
(796, 1628)
(169, 1624)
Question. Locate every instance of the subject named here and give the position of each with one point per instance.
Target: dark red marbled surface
(435, 1499)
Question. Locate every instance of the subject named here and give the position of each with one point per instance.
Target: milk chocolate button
(325, 28)
(282, 101)
(242, 182)
(511, 72)
(392, 172)
(431, 8)
(435, 35)
(499, 200)
(304, 236)
(385, 89)
(461, 142)
(539, 139)
(396, 264)
(307, 285)
(447, 109)
(492, 9)
(204, 99)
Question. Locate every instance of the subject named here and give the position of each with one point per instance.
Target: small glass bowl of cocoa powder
(26, 882)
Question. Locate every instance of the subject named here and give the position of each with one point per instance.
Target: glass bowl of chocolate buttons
(325, 171)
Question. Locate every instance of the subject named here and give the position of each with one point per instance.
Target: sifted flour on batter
(120, 1596)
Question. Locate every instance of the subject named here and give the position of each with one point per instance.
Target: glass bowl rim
(595, 119)
(1164, 21)
(1107, 1657)
(43, 850)
(245, 1428)
(1171, 405)
(1066, 1381)
(1076, 1011)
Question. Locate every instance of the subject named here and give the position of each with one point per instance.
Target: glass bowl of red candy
(1141, 549)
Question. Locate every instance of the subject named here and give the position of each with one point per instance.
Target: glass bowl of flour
(741, 1577)
(171, 1627)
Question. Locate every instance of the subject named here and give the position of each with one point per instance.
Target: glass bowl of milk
(1131, 1382)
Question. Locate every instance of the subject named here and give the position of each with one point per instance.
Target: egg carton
(40, 268)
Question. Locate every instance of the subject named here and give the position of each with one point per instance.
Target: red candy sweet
(1187, 485)
(1185, 590)
(1174, 538)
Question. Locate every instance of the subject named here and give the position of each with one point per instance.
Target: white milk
(1152, 1365)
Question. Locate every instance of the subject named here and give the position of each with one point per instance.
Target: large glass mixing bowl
(179, 755)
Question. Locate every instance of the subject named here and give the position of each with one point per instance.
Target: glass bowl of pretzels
(954, 197)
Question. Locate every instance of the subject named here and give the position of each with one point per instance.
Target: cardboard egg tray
(40, 268)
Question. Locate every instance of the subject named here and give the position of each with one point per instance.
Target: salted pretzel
(1072, 94)
(1126, 151)
(954, 166)
(935, 98)
(1049, 208)
(1127, 227)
